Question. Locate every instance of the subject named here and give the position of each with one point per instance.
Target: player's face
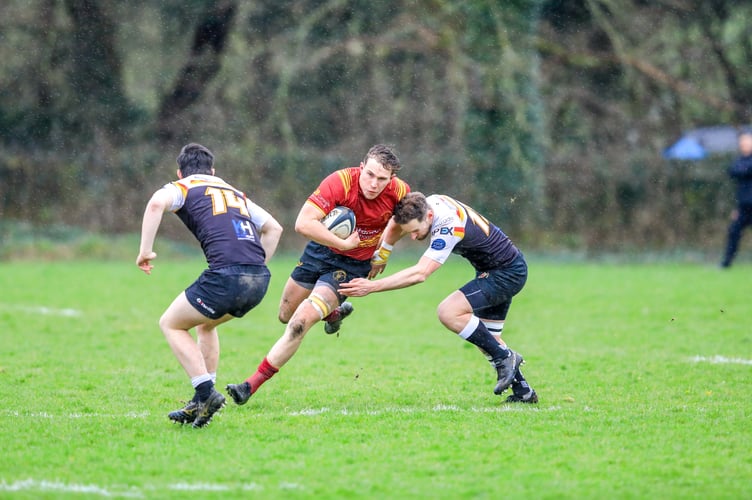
(373, 178)
(418, 230)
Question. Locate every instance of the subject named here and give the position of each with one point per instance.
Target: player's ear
(180, 174)
(212, 171)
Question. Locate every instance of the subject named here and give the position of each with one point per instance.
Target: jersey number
(224, 198)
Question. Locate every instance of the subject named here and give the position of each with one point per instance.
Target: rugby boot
(340, 313)
(240, 393)
(527, 397)
(208, 408)
(184, 415)
(506, 369)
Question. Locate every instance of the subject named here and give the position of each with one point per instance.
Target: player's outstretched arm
(360, 287)
(157, 205)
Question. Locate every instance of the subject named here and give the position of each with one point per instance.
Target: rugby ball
(340, 221)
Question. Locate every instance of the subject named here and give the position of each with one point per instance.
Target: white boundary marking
(305, 412)
(91, 489)
(44, 414)
(721, 360)
(310, 412)
(43, 310)
(115, 491)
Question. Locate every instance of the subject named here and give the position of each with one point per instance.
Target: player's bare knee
(283, 316)
(163, 323)
(320, 304)
(444, 314)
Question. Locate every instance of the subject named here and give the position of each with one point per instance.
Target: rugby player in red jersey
(311, 294)
(477, 311)
(238, 238)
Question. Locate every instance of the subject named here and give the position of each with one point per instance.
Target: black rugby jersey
(457, 228)
(222, 219)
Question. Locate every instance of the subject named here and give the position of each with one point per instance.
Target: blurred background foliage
(549, 116)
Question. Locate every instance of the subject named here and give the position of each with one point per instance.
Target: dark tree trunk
(203, 64)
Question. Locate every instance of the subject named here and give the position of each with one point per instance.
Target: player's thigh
(182, 315)
(292, 296)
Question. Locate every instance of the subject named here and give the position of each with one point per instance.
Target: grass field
(643, 371)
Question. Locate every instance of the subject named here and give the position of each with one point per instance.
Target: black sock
(204, 390)
(520, 385)
(487, 343)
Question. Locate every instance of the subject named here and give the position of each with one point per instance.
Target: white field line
(43, 310)
(46, 415)
(308, 412)
(115, 491)
(32, 485)
(721, 360)
(305, 412)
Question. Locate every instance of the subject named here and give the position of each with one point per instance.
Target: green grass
(396, 406)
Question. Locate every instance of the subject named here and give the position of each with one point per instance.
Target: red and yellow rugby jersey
(342, 188)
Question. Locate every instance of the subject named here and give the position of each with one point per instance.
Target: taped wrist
(381, 255)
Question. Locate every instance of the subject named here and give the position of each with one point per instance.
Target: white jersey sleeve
(447, 228)
(259, 216)
(178, 196)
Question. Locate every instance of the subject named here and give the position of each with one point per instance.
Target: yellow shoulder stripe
(400, 188)
(344, 176)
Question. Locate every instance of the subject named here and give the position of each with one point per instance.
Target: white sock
(200, 379)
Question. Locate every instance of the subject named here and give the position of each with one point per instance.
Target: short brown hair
(412, 206)
(385, 155)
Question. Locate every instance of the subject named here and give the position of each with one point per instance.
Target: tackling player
(371, 190)
(238, 238)
(477, 311)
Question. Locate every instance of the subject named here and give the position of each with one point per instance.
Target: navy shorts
(321, 266)
(233, 290)
(490, 293)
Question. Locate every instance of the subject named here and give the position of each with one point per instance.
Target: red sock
(264, 372)
(334, 315)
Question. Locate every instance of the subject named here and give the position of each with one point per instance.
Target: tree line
(549, 116)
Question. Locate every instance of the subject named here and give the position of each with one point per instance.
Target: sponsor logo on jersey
(243, 229)
(438, 244)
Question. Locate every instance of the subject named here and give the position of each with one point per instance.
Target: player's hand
(350, 242)
(379, 260)
(358, 287)
(143, 261)
(376, 269)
